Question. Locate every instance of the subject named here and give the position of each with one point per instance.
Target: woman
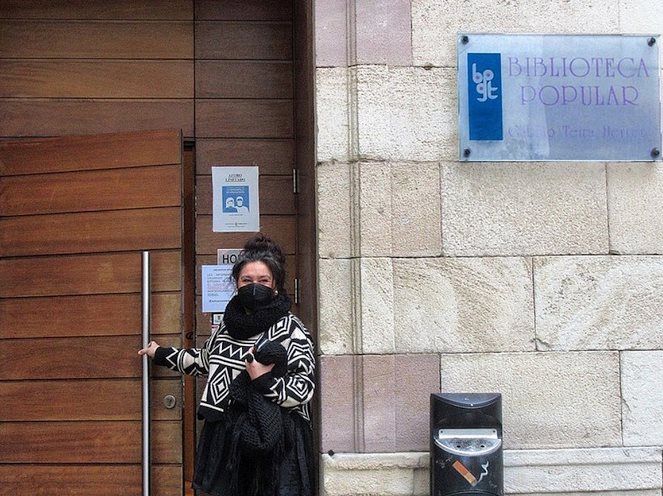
(257, 437)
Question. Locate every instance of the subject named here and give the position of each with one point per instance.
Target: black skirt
(216, 475)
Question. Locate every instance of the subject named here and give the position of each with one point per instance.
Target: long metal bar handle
(146, 297)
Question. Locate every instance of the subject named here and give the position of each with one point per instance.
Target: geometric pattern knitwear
(222, 357)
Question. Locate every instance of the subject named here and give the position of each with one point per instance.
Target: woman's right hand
(150, 350)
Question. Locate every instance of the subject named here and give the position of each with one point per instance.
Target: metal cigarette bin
(466, 444)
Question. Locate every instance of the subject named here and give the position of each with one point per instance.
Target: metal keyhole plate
(169, 401)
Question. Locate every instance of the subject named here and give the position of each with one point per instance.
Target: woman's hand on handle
(149, 350)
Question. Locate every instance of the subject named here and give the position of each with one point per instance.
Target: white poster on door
(235, 200)
(218, 287)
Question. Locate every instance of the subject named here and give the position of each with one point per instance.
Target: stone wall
(543, 281)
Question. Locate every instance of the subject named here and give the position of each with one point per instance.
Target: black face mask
(254, 295)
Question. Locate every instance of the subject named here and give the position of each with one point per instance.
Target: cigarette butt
(460, 468)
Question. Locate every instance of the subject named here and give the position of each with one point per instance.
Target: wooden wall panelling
(87, 442)
(203, 326)
(243, 79)
(244, 118)
(29, 78)
(45, 39)
(74, 480)
(305, 160)
(57, 117)
(239, 10)
(86, 274)
(95, 74)
(273, 156)
(79, 153)
(230, 40)
(97, 9)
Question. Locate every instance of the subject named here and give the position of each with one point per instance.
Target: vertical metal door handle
(146, 297)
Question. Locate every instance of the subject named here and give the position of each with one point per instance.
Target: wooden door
(75, 214)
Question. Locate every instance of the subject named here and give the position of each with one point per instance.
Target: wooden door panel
(244, 118)
(79, 153)
(244, 10)
(64, 358)
(87, 442)
(76, 213)
(272, 156)
(279, 227)
(143, 229)
(87, 274)
(61, 358)
(242, 79)
(243, 40)
(97, 480)
(87, 191)
(94, 399)
(88, 315)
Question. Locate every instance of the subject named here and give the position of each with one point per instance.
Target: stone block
(334, 210)
(435, 23)
(382, 402)
(416, 216)
(335, 335)
(383, 32)
(635, 202)
(642, 397)
(639, 492)
(550, 400)
(399, 209)
(562, 472)
(332, 107)
(331, 35)
(375, 295)
(337, 403)
(374, 474)
(406, 113)
(501, 209)
(602, 302)
(605, 471)
(395, 404)
(375, 209)
(640, 16)
(462, 305)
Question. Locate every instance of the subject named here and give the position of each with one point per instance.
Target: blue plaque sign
(484, 84)
(558, 97)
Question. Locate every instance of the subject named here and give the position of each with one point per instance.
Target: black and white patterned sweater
(222, 359)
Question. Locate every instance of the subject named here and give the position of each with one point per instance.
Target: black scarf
(262, 431)
(242, 325)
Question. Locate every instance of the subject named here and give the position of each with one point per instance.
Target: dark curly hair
(261, 248)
